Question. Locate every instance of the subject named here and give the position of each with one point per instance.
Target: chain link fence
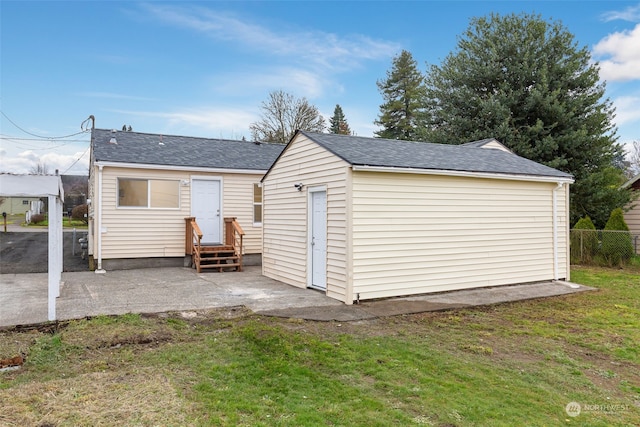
(603, 247)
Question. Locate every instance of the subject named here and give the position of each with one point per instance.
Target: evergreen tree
(584, 241)
(617, 247)
(526, 82)
(403, 112)
(338, 122)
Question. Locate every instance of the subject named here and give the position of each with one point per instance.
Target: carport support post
(55, 254)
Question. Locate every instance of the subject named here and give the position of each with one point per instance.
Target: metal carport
(49, 186)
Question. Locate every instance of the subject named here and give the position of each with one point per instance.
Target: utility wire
(16, 138)
(74, 163)
(40, 136)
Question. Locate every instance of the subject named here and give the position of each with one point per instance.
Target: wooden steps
(220, 257)
(211, 257)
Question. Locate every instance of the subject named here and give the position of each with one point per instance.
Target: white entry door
(318, 240)
(205, 206)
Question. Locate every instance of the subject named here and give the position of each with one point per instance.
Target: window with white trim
(257, 204)
(148, 193)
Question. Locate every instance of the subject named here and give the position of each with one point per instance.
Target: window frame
(149, 194)
(256, 204)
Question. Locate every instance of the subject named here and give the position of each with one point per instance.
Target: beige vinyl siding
(148, 232)
(416, 233)
(141, 232)
(238, 202)
(632, 218)
(285, 255)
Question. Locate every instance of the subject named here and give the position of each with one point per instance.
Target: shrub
(617, 247)
(584, 241)
(37, 218)
(80, 213)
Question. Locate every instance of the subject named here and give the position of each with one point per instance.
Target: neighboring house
(18, 205)
(143, 186)
(632, 216)
(362, 218)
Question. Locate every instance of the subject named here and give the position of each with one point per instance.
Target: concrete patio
(23, 297)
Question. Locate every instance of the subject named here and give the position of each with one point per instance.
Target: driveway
(27, 251)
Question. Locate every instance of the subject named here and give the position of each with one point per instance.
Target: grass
(512, 364)
(66, 223)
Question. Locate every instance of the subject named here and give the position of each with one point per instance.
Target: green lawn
(506, 365)
(20, 220)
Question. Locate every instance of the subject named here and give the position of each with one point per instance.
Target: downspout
(99, 270)
(555, 230)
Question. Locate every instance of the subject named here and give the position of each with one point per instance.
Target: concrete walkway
(23, 297)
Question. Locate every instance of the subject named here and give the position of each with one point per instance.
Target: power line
(40, 136)
(16, 138)
(58, 142)
(74, 163)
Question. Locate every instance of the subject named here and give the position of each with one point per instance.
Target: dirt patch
(27, 252)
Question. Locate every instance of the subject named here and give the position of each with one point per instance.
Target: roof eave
(631, 181)
(469, 174)
(177, 168)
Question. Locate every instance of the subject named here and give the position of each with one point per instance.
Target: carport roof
(181, 151)
(12, 185)
(391, 153)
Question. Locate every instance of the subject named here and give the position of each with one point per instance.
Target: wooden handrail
(193, 241)
(233, 236)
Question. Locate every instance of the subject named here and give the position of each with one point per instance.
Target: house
(142, 187)
(632, 215)
(362, 218)
(18, 205)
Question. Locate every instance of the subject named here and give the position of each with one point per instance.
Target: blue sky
(203, 68)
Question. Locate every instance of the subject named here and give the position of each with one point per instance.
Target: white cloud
(202, 121)
(619, 55)
(627, 109)
(632, 13)
(317, 48)
(297, 81)
(25, 161)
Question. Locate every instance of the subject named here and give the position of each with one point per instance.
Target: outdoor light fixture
(299, 186)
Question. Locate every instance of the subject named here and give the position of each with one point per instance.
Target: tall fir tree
(338, 122)
(402, 114)
(526, 82)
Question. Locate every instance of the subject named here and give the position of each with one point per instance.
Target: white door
(318, 239)
(205, 206)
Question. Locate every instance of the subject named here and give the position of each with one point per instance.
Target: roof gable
(181, 151)
(488, 143)
(377, 152)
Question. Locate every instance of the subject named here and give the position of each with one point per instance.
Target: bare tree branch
(282, 115)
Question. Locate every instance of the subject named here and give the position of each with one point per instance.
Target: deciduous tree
(282, 115)
(39, 168)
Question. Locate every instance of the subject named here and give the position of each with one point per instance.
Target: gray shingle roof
(363, 151)
(170, 150)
